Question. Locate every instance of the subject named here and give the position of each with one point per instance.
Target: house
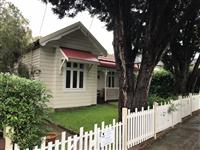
(74, 67)
(66, 62)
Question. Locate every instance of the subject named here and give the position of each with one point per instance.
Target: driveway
(185, 136)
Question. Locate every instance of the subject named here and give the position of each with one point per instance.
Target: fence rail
(136, 127)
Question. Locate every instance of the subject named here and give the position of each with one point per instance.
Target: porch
(107, 84)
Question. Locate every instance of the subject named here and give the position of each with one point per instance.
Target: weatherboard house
(74, 67)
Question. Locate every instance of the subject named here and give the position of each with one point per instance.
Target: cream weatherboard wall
(42, 59)
(32, 59)
(74, 98)
(47, 67)
(48, 60)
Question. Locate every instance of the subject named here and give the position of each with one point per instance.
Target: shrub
(23, 108)
(155, 98)
(23, 71)
(162, 84)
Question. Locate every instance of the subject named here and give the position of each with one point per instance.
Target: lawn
(85, 117)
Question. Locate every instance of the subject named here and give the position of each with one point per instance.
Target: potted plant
(51, 137)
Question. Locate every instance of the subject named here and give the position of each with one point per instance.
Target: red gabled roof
(79, 55)
(109, 62)
(109, 57)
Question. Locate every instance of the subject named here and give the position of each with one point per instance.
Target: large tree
(138, 25)
(181, 54)
(14, 36)
(159, 32)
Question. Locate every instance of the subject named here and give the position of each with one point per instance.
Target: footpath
(185, 136)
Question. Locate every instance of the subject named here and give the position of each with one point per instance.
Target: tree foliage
(23, 108)
(181, 54)
(162, 84)
(14, 36)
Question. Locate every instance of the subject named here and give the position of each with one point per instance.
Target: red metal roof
(109, 57)
(107, 64)
(79, 55)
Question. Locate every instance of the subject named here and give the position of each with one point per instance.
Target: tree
(23, 108)
(160, 30)
(139, 25)
(181, 54)
(14, 36)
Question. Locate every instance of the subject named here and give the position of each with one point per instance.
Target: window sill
(74, 90)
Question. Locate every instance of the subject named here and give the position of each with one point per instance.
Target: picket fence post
(125, 124)
(181, 105)
(8, 142)
(155, 104)
(190, 103)
(172, 113)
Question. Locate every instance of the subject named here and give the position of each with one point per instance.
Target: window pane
(68, 77)
(113, 81)
(74, 79)
(109, 81)
(81, 66)
(68, 64)
(75, 65)
(81, 80)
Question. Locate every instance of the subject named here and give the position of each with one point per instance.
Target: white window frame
(112, 75)
(71, 69)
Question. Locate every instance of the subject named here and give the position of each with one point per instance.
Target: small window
(68, 64)
(74, 75)
(75, 65)
(81, 66)
(111, 79)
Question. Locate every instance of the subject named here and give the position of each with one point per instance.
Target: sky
(33, 10)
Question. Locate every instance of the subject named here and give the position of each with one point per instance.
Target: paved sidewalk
(185, 136)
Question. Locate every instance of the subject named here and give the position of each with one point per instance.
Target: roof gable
(68, 32)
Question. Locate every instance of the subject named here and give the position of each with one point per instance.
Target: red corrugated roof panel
(79, 55)
(107, 64)
(112, 64)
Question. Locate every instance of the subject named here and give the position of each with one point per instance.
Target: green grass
(85, 117)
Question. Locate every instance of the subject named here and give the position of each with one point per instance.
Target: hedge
(23, 108)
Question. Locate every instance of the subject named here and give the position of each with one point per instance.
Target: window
(111, 79)
(74, 75)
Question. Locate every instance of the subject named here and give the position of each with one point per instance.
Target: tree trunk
(180, 84)
(123, 54)
(193, 76)
(143, 82)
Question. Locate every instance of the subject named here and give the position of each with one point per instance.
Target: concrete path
(185, 136)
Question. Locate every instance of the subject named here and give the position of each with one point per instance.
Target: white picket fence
(136, 127)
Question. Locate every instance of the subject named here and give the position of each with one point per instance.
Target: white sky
(33, 10)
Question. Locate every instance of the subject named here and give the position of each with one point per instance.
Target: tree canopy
(15, 36)
(182, 52)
